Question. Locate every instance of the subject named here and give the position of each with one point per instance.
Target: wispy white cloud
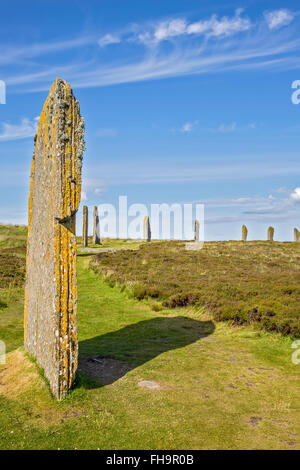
(225, 128)
(222, 128)
(93, 187)
(12, 54)
(278, 18)
(213, 27)
(295, 195)
(231, 127)
(27, 128)
(108, 39)
(187, 127)
(169, 29)
(254, 209)
(236, 202)
(280, 206)
(99, 191)
(220, 27)
(211, 45)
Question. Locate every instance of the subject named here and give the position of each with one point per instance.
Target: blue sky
(184, 101)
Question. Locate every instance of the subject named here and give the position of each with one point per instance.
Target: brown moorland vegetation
(12, 259)
(254, 282)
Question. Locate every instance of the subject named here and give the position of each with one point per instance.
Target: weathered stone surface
(296, 235)
(147, 230)
(51, 284)
(244, 233)
(96, 227)
(85, 226)
(196, 230)
(270, 234)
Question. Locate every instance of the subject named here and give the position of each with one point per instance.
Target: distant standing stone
(270, 234)
(50, 328)
(96, 227)
(85, 226)
(244, 233)
(196, 230)
(147, 230)
(296, 235)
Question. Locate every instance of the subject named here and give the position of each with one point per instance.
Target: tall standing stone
(51, 282)
(147, 230)
(96, 227)
(85, 226)
(296, 235)
(196, 230)
(244, 233)
(270, 234)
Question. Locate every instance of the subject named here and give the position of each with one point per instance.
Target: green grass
(253, 282)
(221, 387)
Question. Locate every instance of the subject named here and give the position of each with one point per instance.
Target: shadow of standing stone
(137, 344)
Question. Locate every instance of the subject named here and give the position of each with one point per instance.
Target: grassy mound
(253, 282)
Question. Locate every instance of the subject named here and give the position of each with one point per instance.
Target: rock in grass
(150, 384)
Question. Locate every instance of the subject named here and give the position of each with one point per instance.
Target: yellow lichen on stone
(51, 287)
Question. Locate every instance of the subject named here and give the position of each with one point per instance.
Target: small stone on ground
(150, 384)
